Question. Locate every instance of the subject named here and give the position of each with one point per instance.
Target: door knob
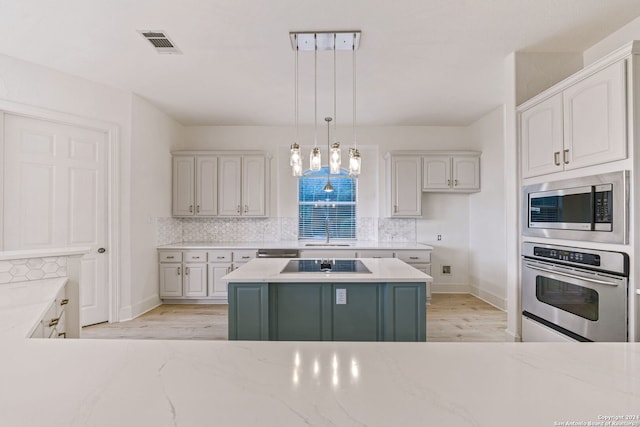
(101, 250)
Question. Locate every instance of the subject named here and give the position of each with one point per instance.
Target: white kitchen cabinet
(183, 274)
(420, 260)
(242, 186)
(217, 287)
(580, 125)
(195, 185)
(170, 280)
(459, 172)
(183, 186)
(195, 280)
(595, 119)
(406, 197)
(541, 137)
(53, 323)
(375, 253)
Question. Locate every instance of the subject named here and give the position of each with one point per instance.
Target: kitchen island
(367, 299)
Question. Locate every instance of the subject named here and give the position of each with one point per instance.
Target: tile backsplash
(176, 230)
(22, 270)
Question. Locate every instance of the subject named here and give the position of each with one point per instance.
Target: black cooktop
(325, 266)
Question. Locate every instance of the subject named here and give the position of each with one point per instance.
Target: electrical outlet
(439, 237)
(446, 270)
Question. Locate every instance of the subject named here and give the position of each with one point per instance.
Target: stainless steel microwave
(592, 208)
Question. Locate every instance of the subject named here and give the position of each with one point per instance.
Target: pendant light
(315, 160)
(354, 155)
(328, 188)
(335, 157)
(296, 159)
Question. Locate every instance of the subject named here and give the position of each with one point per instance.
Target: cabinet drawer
(170, 256)
(414, 256)
(219, 256)
(371, 253)
(195, 256)
(244, 256)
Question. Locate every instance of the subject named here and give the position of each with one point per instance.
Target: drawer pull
(54, 322)
(221, 257)
(414, 257)
(170, 257)
(196, 257)
(64, 301)
(62, 335)
(245, 257)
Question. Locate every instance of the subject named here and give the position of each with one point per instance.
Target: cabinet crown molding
(221, 153)
(414, 153)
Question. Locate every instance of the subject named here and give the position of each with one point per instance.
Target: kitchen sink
(327, 244)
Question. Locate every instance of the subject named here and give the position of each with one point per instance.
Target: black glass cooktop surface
(325, 266)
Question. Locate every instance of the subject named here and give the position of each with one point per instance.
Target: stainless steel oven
(592, 208)
(580, 293)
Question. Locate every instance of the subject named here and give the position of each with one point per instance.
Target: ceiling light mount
(325, 40)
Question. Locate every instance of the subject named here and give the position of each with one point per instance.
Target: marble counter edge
(43, 253)
(293, 245)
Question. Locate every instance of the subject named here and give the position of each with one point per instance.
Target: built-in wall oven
(592, 208)
(575, 292)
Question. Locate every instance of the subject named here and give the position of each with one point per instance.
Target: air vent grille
(160, 41)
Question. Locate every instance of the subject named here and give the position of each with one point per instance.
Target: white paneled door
(55, 195)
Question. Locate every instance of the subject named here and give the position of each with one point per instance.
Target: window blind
(317, 207)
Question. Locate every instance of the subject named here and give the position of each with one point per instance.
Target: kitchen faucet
(326, 228)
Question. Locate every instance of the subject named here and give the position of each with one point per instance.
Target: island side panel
(405, 317)
(298, 312)
(360, 317)
(248, 311)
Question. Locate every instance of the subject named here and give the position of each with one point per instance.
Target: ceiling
(420, 62)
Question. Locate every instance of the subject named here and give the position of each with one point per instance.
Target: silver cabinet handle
(178, 271)
(413, 257)
(221, 257)
(556, 158)
(196, 257)
(449, 182)
(191, 208)
(170, 257)
(186, 271)
(228, 269)
(197, 208)
(246, 208)
(565, 156)
(455, 182)
(246, 257)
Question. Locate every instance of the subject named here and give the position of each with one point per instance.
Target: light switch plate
(341, 296)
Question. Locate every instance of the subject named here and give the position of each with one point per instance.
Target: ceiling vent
(160, 41)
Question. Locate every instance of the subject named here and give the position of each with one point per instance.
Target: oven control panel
(564, 255)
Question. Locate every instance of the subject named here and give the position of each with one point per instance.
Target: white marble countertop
(265, 270)
(23, 303)
(295, 244)
(196, 383)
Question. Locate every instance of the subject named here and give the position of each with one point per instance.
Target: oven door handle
(573, 276)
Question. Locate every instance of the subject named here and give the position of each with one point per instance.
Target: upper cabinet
(406, 200)
(454, 172)
(220, 184)
(583, 124)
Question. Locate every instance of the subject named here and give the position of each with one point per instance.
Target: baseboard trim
(145, 306)
(193, 301)
(125, 314)
(450, 289)
(511, 337)
(489, 298)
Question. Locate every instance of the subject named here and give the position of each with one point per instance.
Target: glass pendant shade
(296, 168)
(354, 161)
(328, 188)
(335, 158)
(295, 154)
(315, 160)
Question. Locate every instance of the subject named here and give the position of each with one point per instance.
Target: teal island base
(327, 311)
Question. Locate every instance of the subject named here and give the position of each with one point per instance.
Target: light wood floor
(450, 317)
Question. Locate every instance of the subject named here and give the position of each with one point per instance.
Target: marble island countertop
(195, 383)
(297, 244)
(264, 270)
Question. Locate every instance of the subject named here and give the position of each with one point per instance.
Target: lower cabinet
(53, 323)
(327, 311)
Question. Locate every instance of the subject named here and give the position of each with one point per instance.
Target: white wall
(487, 211)
(618, 38)
(153, 135)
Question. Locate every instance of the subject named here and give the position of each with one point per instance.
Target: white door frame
(113, 184)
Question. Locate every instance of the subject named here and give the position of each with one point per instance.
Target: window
(317, 207)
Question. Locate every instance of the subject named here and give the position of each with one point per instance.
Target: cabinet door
(183, 191)
(466, 173)
(170, 280)
(206, 186)
(254, 186)
(405, 312)
(195, 280)
(359, 316)
(437, 173)
(406, 195)
(229, 186)
(594, 119)
(541, 137)
(218, 288)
